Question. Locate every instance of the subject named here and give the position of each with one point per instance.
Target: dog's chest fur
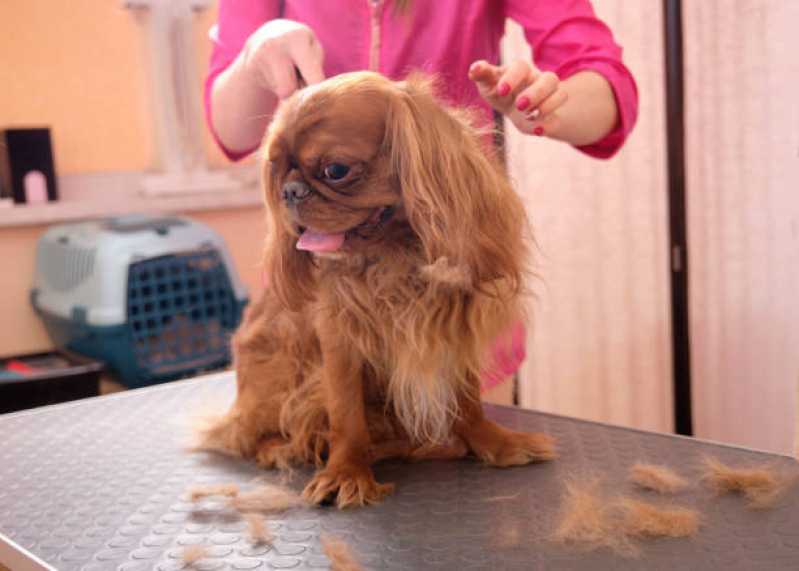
(413, 337)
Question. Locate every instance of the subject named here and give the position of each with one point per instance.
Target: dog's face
(357, 161)
(330, 167)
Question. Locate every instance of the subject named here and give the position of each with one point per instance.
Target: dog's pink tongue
(318, 242)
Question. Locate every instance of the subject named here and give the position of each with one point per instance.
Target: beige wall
(81, 67)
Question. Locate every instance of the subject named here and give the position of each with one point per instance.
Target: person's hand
(525, 94)
(282, 56)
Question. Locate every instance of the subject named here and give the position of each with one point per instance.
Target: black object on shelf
(38, 379)
(26, 165)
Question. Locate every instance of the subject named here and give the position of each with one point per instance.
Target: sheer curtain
(742, 126)
(599, 341)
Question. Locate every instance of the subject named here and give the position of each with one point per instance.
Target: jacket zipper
(375, 13)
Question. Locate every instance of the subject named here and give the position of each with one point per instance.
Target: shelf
(109, 194)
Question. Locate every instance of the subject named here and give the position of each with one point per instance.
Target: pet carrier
(155, 298)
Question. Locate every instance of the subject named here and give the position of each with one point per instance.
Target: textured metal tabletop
(101, 484)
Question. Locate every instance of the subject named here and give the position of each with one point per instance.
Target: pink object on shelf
(35, 184)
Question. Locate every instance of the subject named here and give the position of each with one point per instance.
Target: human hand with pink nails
(279, 58)
(579, 110)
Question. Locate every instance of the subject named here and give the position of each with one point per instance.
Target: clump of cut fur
(203, 491)
(590, 520)
(266, 499)
(586, 520)
(643, 519)
(257, 530)
(659, 479)
(340, 554)
(194, 553)
(761, 485)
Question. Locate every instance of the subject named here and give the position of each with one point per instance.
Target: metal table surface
(100, 485)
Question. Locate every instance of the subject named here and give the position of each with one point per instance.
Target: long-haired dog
(395, 259)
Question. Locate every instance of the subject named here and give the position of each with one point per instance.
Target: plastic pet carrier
(155, 298)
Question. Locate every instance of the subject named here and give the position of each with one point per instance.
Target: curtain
(742, 171)
(599, 337)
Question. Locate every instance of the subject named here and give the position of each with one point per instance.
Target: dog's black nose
(295, 192)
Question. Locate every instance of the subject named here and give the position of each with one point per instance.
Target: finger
(308, 56)
(283, 75)
(545, 85)
(517, 75)
(485, 74)
(545, 126)
(549, 104)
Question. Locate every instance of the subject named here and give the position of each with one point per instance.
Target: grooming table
(101, 484)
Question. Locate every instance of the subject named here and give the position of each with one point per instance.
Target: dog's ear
(455, 193)
(289, 272)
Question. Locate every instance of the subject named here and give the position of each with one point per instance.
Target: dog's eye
(336, 171)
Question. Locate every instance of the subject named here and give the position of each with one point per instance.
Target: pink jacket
(443, 37)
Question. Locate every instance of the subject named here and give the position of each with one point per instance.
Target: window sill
(110, 194)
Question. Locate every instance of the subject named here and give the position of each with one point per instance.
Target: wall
(81, 67)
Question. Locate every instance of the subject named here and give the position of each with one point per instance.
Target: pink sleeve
(506, 357)
(567, 37)
(236, 21)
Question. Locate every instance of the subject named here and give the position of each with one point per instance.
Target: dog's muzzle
(295, 192)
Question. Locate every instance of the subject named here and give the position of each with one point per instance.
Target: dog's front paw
(348, 485)
(523, 448)
(499, 446)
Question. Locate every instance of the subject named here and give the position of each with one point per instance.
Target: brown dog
(396, 257)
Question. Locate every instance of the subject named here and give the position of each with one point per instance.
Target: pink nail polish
(522, 103)
(503, 89)
(538, 131)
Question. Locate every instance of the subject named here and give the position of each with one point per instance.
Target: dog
(396, 256)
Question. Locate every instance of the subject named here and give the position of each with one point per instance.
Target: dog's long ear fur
(456, 195)
(288, 270)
